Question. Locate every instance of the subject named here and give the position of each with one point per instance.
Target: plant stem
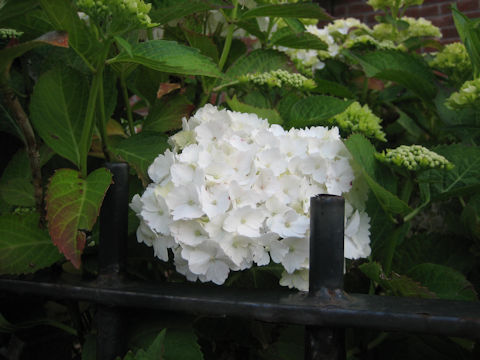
(23, 122)
(87, 130)
(407, 190)
(392, 242)
(229, 38)
(126, 99)
(226, 50)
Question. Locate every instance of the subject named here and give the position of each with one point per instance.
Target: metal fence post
(112, 261)
(326, 272)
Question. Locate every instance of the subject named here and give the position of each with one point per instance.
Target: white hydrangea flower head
(237, 193)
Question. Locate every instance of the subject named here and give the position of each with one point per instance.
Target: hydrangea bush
(235, 191)
(282, 109)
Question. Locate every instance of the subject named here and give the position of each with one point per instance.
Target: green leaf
(178, 9)
(25, 251)
(303, 40)
(167, 114)
(73, 205)
(332, 88)
(14, 8)
(398, 285)
(124, 44)
(8, 54)
(469, 33)
(410, 126)
(145, 82)
(203, 43)
(446, 282)
(16, 186)
(444, 249)
(363, 153)
(89, 348)
(271, 115)
(58, 108)
(403, 68)
(316, 110)
(140, 150)
(463, 179)
(182, 344)
(154, 352)
(64, 17)
(298, 10)
(295, 24)
(169, 56)
(251, 26)
(258, 61)
(16, 182)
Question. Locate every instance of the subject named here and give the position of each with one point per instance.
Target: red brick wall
(437, 11)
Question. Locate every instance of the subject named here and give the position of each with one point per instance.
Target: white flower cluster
(236, 191)
(333, 34)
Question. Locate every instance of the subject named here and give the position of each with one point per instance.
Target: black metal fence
(325, 310)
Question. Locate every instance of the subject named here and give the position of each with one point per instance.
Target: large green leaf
(316, 110)
(447, 250)
(167, 114)
(399, 285)
(298, 10)
(182, 344)
(58, 108)
(8, 54)
(446, 282)
(169, 56)
(64, 16)
(73, 204)
(258, 61)
(140, 150)
(470, 35)
(24, 246)
(463, 179)
(363, 153)
(271, 115)
(297, 40)
(176, 9)
(403, 68)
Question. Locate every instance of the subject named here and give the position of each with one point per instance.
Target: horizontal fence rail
(325, 309)
(443, 317)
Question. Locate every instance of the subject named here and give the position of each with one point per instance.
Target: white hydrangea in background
(235, 191)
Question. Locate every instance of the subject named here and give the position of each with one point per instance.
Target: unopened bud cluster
(279, 78)
(414, 158)
(359, 119)
(124, 13)
(467, 96)
(9, 33)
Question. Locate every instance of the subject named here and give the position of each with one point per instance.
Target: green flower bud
(467, 96)
(279, 78)
(454, 61)
(359, 119)
(414, 158)
(9, 33)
